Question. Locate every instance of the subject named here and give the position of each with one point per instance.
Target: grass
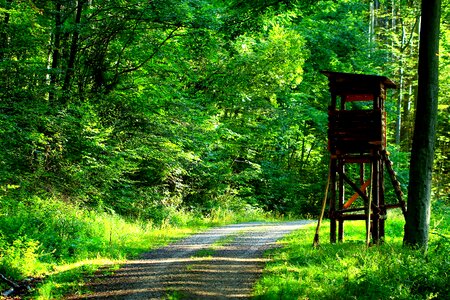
(204, 253)
(63, 244)
(217, 245)
(350, 270)
(69, 278)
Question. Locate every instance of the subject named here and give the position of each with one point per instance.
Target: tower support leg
(333, 169)
(341, 189)
(375, 199)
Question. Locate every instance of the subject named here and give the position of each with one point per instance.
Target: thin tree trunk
(372, 25)
(291, 156)
(302, 153)
(4, 35)
(55, 53)
(4, 41)
(419, 191)
(73, 48)
(309, 151)
(411, 100)
(393, 24)
(398, 124)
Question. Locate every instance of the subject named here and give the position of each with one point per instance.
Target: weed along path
(221, 263)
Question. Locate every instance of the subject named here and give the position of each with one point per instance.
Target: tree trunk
(4, 45)
(410, 102)
(4, 34)
(398, 123)
(56, 52)
(372, 25)
(73, 48)
(422, 153)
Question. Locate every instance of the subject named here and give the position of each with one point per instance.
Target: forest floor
(221, 263)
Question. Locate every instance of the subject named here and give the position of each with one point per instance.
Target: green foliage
(148, 108)
(350, 270)
(169, 112)
(21, 258)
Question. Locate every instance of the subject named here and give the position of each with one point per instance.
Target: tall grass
(62, 243)
(350, 270)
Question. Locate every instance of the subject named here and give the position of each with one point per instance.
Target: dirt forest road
(221, 263)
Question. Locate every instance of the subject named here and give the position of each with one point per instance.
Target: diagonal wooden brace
(358, 190)
(356, 195)
(354, 186)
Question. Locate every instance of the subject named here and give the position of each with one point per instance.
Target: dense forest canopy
(143, 107)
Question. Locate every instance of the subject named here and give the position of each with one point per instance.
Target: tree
(422, 154)
(138, 105)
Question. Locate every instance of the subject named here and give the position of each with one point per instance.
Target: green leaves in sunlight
(21, 258)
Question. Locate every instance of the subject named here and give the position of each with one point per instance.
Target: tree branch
(145, 61)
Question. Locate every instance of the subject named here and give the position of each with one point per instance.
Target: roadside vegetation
(350, 270)
(57, 245)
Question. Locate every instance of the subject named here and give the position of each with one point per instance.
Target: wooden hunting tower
(357, 136)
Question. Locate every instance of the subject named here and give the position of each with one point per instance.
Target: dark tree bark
(73, 47)
(422, 153)
(4, 34)
(4, 82)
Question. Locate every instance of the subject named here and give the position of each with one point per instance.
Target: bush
(21, 258)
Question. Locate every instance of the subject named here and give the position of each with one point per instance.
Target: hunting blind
(358, 156)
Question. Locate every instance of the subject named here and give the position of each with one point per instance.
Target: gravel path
(221, 263)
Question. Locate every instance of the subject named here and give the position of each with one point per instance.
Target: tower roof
(357, 82)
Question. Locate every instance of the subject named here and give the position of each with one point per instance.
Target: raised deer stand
(357, 135)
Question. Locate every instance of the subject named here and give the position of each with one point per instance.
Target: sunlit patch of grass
(227, 239)
(65, 279)
(204, 253)
(350, 270)
(218, 245)
(174, 295)
(83, 264)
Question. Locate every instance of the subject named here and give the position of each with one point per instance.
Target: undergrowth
(62, 243)
(350, 270)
